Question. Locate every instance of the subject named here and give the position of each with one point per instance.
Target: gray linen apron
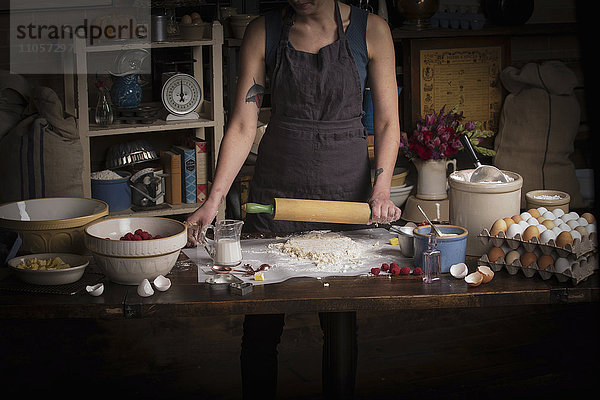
(314, 148)
(315, 143)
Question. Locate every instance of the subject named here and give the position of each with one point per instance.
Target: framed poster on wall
(463, 72)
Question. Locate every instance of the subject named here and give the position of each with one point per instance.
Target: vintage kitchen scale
(181, 95)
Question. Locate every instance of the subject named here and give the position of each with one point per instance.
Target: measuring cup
(225, 249)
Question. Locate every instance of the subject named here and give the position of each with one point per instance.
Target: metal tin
(159, 28)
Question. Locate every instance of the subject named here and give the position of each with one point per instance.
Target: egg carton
(579, 247)
(578, 271)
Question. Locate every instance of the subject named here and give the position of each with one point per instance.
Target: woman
(315, 143)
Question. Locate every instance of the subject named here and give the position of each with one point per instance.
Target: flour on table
(328, 251)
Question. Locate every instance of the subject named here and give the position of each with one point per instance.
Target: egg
(582, 221)
(558, 212)
(186, 19)
(588, 217)
(561, 265)
(548, 223)
(528, 258)
(563, 239)
(509, 221)
(547, 235)
(566, 217)
(591, 228)
(524, 224)
(540, 219)
(582, 231)
(541, 228)
(532, 221)
(516, 218)
(575, 235)
(564, 227)
(525, 215)
(534, 212)
(549, 215)
(542, 210)
(574, 215)
(556, 231)
(531, 232)
(513, 230)
(573, 223)
(512, 256)
(495, 253)
(545, 261)
(498, 226)
(195, 15)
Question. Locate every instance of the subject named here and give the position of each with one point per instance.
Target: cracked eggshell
(474, 279)
(486, 272)
(95, 290)
(144, 289)
(161, 283)
(459, 270)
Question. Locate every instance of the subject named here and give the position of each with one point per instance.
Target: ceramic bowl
(551, 199)
(399, 194)
(130, 262)
(50, 277)
(195, 31)
(453, 248)
(53, 224)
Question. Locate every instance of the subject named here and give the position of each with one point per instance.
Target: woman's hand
(383, 210)
(199, 218)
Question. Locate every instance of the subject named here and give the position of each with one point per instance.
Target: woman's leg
(262, 334)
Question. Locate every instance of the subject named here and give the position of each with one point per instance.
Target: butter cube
(394, 241)
(258, 276)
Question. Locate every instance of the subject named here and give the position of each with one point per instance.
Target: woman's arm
(384, 91)
(241, 127)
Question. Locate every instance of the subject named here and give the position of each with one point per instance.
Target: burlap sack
(42, 155)
(537, 128)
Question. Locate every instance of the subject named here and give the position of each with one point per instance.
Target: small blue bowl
(453, 248)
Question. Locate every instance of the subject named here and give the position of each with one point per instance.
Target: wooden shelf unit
(211, 112)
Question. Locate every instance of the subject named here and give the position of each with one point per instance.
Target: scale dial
(181, 94)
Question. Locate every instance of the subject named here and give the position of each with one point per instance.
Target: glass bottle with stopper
(431, 260)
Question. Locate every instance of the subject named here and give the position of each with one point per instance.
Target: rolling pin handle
(254, 208)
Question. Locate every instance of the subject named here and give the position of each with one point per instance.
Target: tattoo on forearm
(378, 172)
(255, 94)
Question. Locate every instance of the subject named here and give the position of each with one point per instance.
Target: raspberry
(404, 271)
(418, 271)
(385, 267)
(157, 237)
(138, 232)
(375, 271)
(394, 265)
(395, 271)
(137, 237)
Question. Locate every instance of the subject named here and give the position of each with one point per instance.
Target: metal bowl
(130, 153)
(50, 277)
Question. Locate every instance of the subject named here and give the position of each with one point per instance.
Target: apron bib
(315, 143)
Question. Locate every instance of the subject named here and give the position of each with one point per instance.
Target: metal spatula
(482, 173)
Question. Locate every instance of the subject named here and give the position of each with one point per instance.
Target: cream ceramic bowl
(130, 262)
(50, 277)
(53, 224)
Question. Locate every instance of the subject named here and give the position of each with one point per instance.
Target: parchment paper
(375, 242)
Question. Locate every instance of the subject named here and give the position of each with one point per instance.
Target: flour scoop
(482, 173)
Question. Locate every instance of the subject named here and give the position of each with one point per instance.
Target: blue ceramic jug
(126, 91)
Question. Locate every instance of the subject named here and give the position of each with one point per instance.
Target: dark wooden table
(189, 298)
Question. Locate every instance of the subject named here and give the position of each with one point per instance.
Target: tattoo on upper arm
(255, 94)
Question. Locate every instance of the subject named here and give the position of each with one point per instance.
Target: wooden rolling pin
(339, 212)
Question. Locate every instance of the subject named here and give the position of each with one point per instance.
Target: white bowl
(399, 194)
(50, 277)
(130, 262)
(52, 224)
